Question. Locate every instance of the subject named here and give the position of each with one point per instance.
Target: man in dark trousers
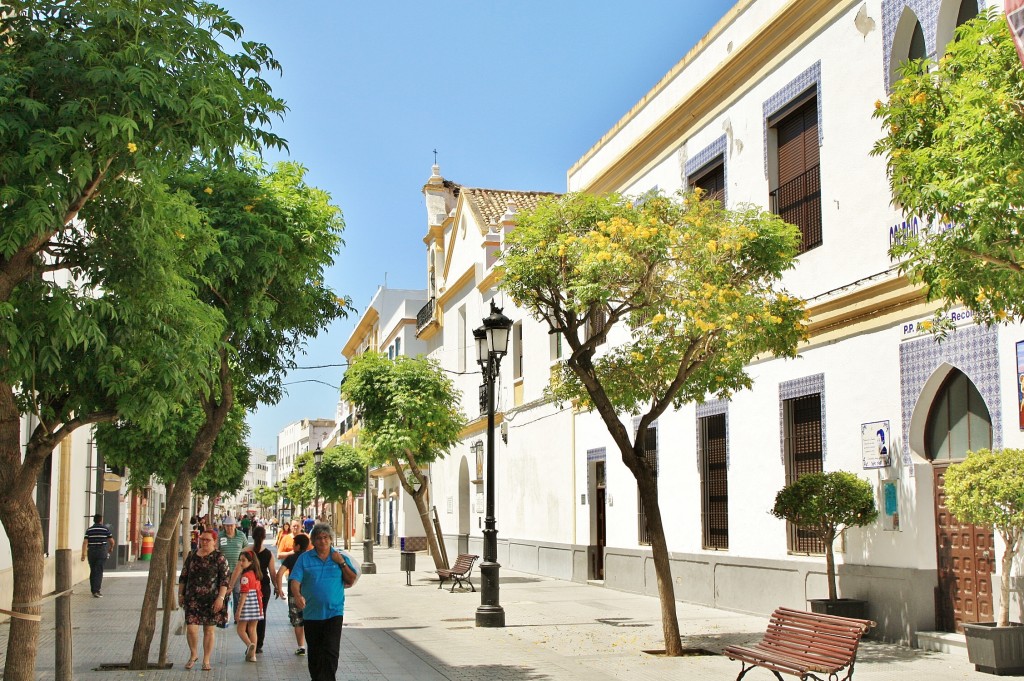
(97, 545)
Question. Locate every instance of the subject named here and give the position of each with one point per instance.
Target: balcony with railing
(798, 202)
(425, 315)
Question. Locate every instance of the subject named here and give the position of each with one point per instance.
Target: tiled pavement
(554, 630)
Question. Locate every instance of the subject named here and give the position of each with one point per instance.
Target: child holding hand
(250, 602)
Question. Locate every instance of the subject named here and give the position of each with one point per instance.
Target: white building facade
(773, 107)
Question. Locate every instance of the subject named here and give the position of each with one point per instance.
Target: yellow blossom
(658, 318)
(132, 147)
(712, 245)
(878, 104)
(248, 209)
(208, 190)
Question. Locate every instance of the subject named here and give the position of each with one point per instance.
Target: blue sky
(511, 94)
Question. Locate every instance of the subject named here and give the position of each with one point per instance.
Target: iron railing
(425, 314)
(798, 202)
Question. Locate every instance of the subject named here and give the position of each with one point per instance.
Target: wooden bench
(459, 572)
(801, 643)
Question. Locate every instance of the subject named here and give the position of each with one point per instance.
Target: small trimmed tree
(987, 488)
(827, 504)
(342, 471)
(410, 418)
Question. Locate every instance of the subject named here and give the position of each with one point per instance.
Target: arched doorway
(958, 422)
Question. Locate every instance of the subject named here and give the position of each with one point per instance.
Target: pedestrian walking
(246, 524)
(269, 577)
(318, 582)
(294, 611)
(231, 543)
(202, 588)
(286, 547)
(307, 525)
(97, 545)
(250, 602)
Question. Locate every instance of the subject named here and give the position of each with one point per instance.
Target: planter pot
(996, 650)
(842, 607)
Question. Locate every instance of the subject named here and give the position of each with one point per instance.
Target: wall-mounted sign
(921, 327)
(875, 444)
(890, 505)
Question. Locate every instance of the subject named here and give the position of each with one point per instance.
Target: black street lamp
(318, 457)
(491, 346)
(301, 467)
(368, 568)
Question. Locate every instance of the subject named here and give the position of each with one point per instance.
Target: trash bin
(408, 564)
(147, 542)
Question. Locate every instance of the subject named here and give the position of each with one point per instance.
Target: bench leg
(468, 579)
(455, 581)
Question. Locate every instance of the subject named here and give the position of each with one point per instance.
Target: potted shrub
(827, 504)
(987, 488)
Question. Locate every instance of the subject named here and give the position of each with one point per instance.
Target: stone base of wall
(900, 600)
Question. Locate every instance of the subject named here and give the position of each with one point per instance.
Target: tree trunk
(168, 588)
(647, 484)
(419, 498)
(1009, 553)
(830, 564)
(202, 447)
(22, 524)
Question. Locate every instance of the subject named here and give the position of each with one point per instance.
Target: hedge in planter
(827, 504)
(987, 488)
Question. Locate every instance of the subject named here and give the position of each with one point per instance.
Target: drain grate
(687, 652)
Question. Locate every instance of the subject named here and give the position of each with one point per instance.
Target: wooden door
(965, 563)
(600, 520)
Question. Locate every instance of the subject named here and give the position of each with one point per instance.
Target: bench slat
(798, 642)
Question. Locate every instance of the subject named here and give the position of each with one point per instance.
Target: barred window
(803, 440)
(651, 455)
(714, 482)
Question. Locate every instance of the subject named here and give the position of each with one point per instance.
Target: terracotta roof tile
(490, 204)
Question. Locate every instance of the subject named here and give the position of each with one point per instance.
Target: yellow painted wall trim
(430, 330)
(453, 222)
(778, 40)
(479, 425)
(361, 331)
(449, 292)
(491, 280)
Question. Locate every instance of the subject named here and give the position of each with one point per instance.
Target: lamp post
(368, 567)
(318, 456)
(302, 469)
(491, 346)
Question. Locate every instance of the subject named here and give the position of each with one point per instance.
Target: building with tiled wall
(773, 107)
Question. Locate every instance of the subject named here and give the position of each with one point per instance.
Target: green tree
(343, 470)
(955, 155)
(97, 99)
(410, 418)
(987, 488)
(266, 497)
(699, 288)
(827, 504)
(275, 235)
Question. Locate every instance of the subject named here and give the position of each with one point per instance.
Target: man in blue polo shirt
(317, 583)
(97, 545)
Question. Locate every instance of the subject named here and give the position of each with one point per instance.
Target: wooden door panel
(964, 561)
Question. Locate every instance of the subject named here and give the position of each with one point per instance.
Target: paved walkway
(554, 630)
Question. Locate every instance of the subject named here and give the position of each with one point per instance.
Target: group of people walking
(225, 574)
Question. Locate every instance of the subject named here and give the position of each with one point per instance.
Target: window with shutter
(714, 482)
(711, 179)
(804, 454)
(797, 198)
(651, 455)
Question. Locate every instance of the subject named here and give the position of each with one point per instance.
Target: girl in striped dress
(250, 602)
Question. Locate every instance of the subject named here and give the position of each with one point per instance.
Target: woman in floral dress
(201, 588)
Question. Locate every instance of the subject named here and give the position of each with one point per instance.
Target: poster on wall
(1020, 384)
(874, 444)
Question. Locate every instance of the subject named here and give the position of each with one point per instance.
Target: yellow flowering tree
(661, 301)
(954, 150)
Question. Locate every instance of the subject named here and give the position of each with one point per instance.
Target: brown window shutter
(711, 179)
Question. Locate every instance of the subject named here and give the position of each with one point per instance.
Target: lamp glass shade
(497, 327)
(318, 456)
(301, 467)
(480, 336)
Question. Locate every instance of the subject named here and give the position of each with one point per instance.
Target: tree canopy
(661, 301)
(409, 417)
(954, 149)
(342, 470)
(99, 101)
